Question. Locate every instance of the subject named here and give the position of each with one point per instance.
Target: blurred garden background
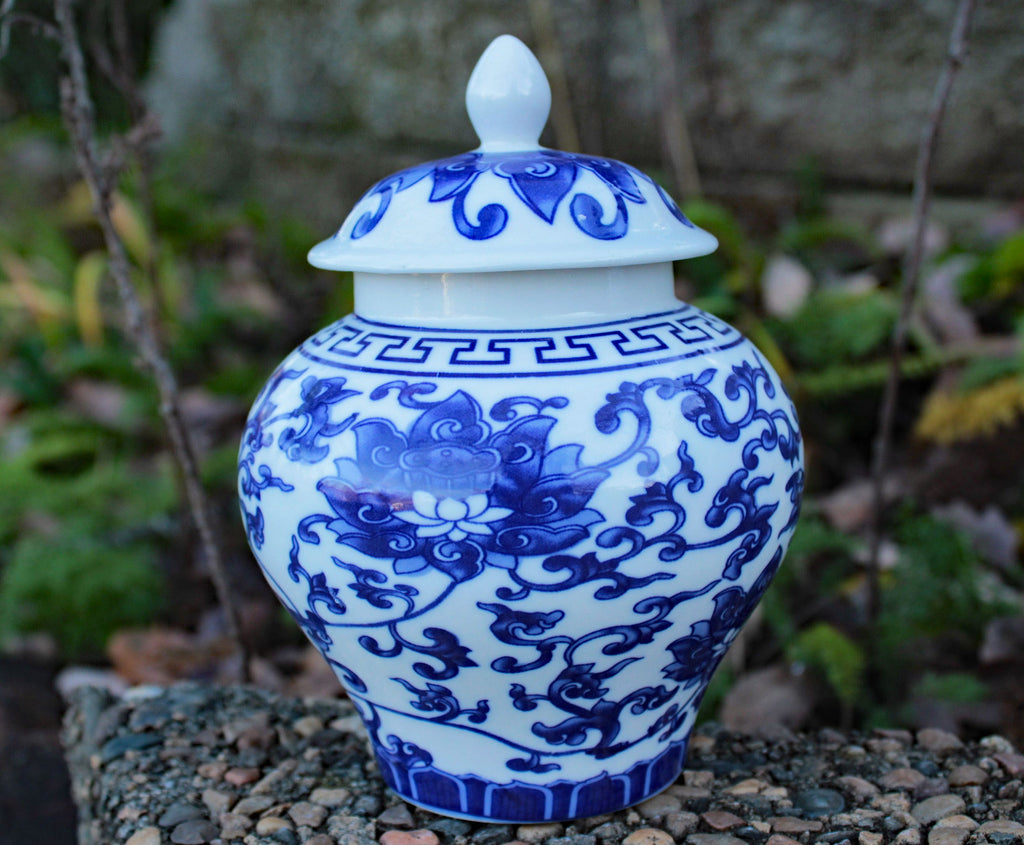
(246, 130)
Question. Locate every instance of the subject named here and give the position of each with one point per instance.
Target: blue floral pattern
(587, 560)
(540, 180)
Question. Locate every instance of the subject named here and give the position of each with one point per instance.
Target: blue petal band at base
(472, 797)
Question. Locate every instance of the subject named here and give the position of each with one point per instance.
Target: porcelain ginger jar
(523, 499)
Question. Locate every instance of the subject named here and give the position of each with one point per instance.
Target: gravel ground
(200, 764)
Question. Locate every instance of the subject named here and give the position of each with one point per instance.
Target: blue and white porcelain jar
(523, 499)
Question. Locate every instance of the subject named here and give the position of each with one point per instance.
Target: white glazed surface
(544, 610)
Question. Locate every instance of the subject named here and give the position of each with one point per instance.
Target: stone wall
(307, 103)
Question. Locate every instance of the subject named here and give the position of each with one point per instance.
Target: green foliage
(951, 687)
(837, 658)
(78, 587)
(835, 326)
(936, 589)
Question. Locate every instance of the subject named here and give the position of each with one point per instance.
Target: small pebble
(959, 820)
(947, 836)
(938, 741)
(699, 839)
(967, 775)
(180, 811)
(307, 726)
(319, 839)
(931, 786)
(659, 806)
(330, 797)
(903, 778)
(253, 804)
(194, 832)
(781, 839)
(409, 837)
(1002, 826)
(938, 807)
(870, 837)
(213, 771)
(241, 776)
(750, 786)
(145, 836)
(396, 816)
(271, 824)
(651, 836)
(702, 779)
(306, 813)
(721, 820)
(234, 825)
(789, 824)
(1011, 762)
(681, 824)
(910, 836)
(818, 803)
(531, 833)
(217, 801)
(857, 788)
(268, 783)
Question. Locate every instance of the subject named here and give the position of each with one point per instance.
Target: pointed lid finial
(508, 97)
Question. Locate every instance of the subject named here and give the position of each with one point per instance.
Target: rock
(71, 678)
(768, 701)
(967, 775)
(870, 837)
(1002, 826)
(749, 786)
(891, 802)
(931, 786)
(270, 782)
(938, 741)
(253, 804)
(217, 801)
(910, 836)
(692, 839)
(653, 836)
(857, 788)
(145, 836)
(785, 285)
(781, 839)
(330, 797)
(1011, 762)
(307, 726)
(790, 824)
(194, 832)
(681, 824)
(179, 812)
(721, 820)
(895, 236)
(271, 824)
(959, 820)
(900, 735)
(411, 837)
(902, 778)
(450, 829)
(241, 776)
(396, 816)
(319, 839)
(700, 778)
(234, 825)
(938, 807)
(121, 745)
(308, 814)
(659, 806)
(531, 833)
(818, 803)
(212, 771)
(947, 836)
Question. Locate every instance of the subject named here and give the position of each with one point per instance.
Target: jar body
(523, 550)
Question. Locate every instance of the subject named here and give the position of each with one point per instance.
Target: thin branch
(675, 133)
(9, 19)
(957, 53)
(77, 110)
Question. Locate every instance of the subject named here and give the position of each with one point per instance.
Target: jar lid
(511, 204)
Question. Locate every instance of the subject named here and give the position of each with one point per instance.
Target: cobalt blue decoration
(522, 514)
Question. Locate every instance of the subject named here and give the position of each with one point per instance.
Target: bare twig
(675, 134)
(9, 19)
(77, 110)
(955, 57)
(543, 22)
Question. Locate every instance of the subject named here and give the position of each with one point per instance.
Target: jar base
(474, 799)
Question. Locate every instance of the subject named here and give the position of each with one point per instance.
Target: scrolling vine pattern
(459, 490)
(539, 179)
